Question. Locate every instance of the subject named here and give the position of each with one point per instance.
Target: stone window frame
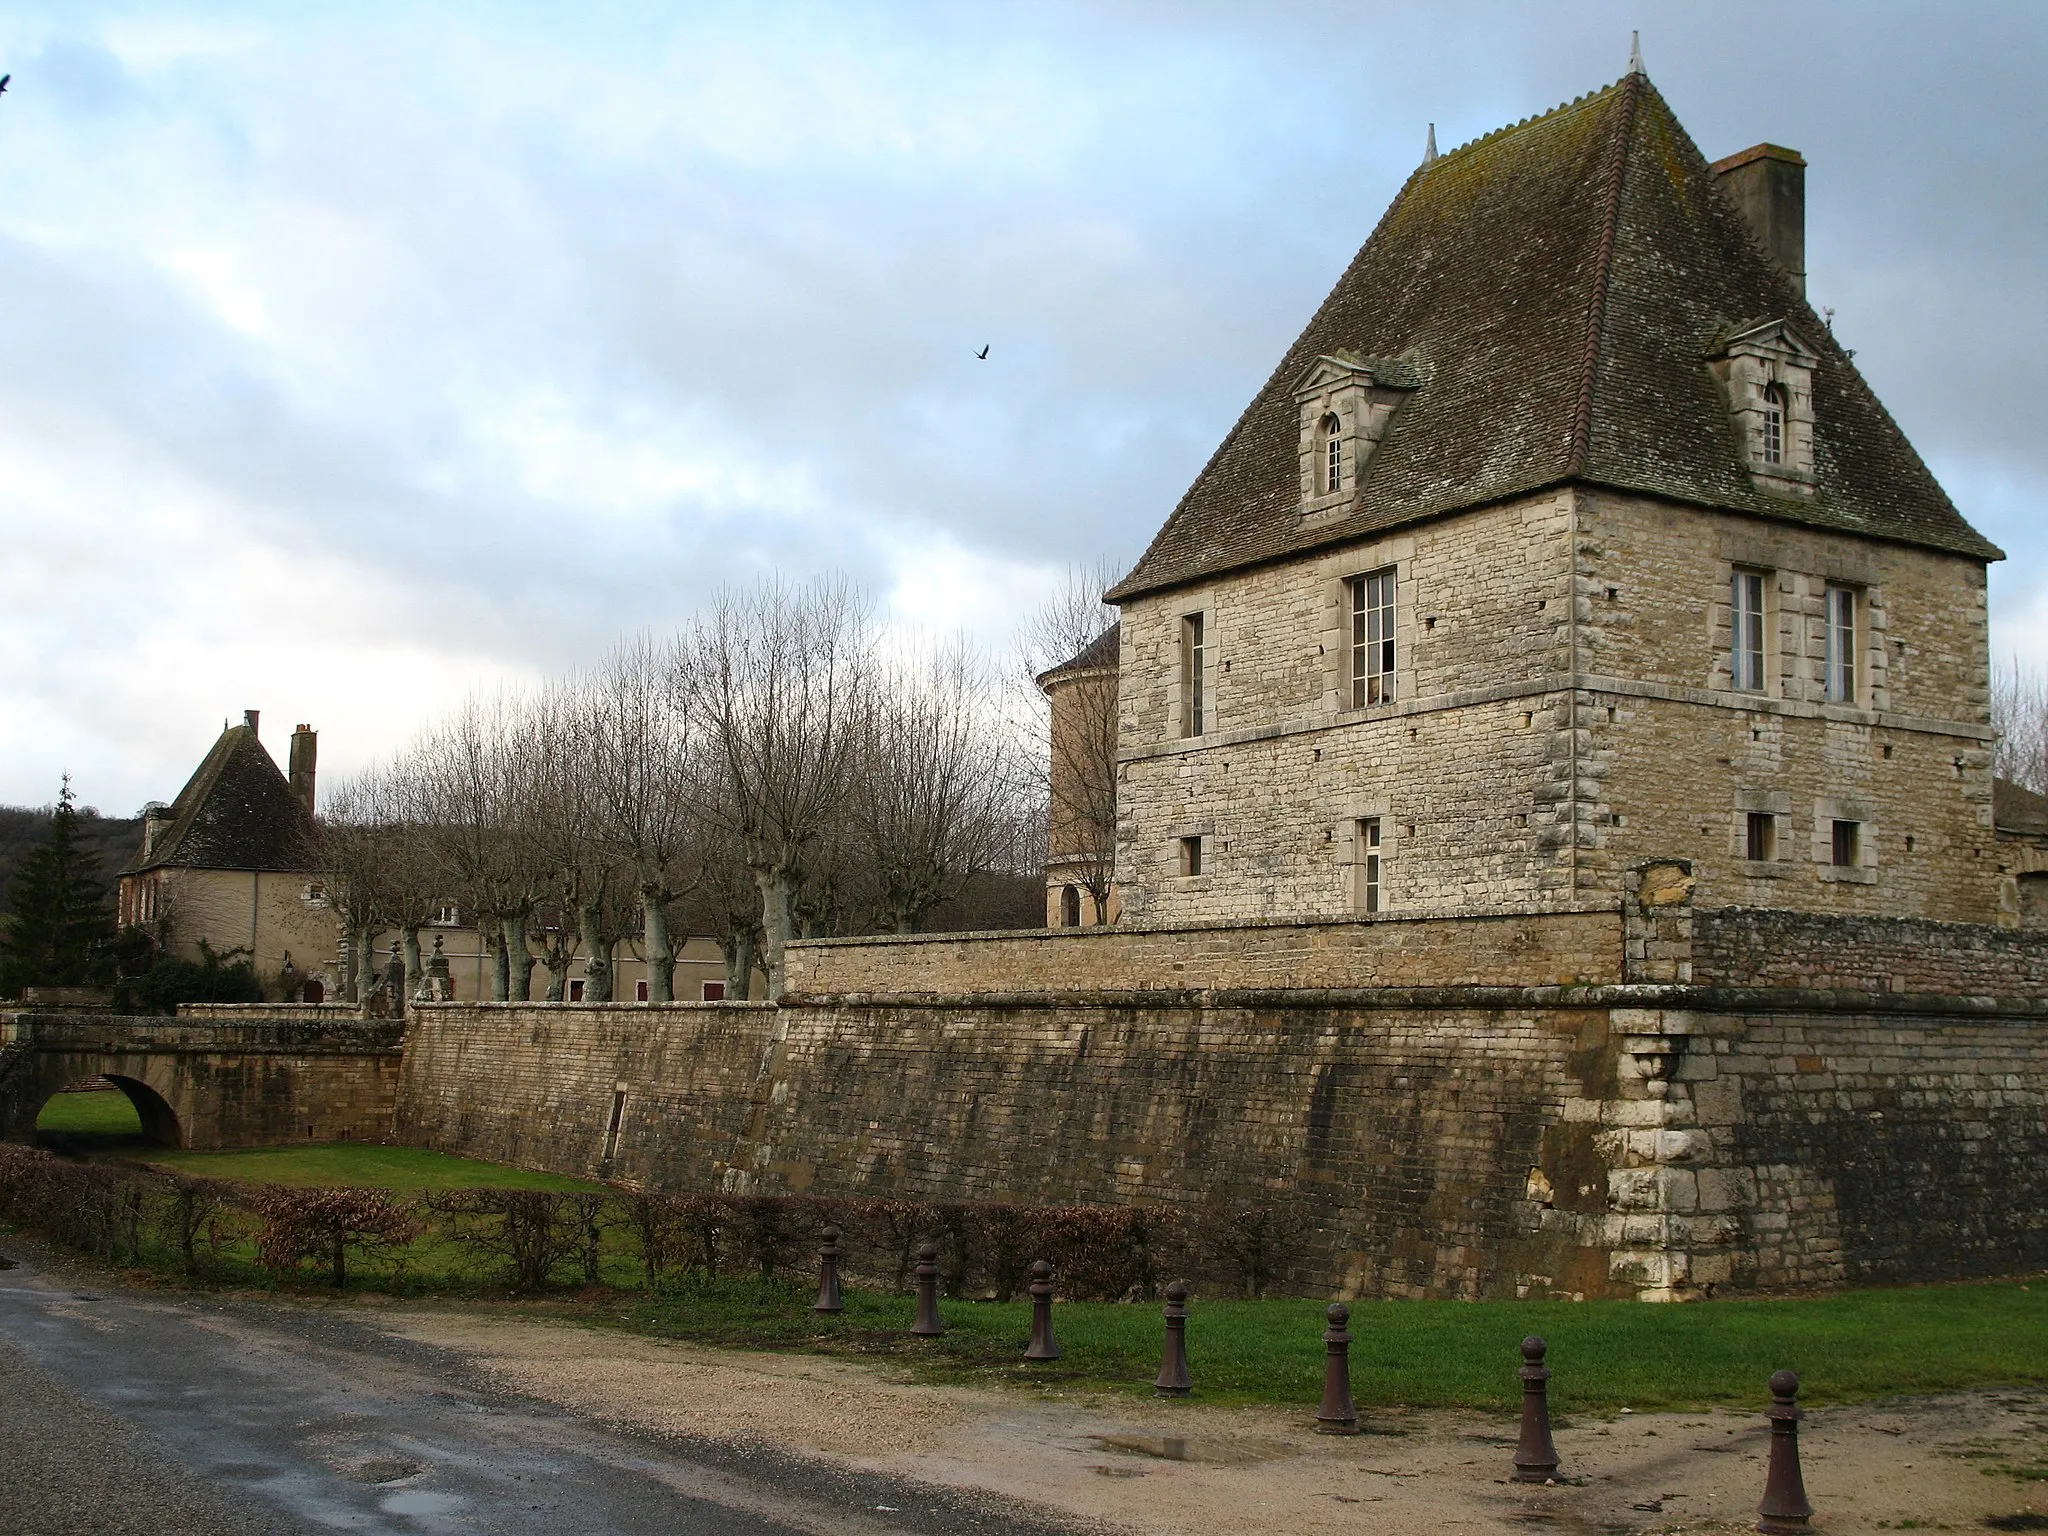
(1829, 809)
(1769, 647)
(1180, 706)
(1859, 642)
(1777, 804)
(1343, 835)
(1172, 858)
(1396, 554)
(1752, 365)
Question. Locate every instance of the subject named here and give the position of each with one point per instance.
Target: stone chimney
(156, 821)
(249, 719)
(305, 750)
(1767, 182)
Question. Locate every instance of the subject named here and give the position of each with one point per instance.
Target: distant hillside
(113, 838)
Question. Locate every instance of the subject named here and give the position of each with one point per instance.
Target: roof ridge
(1535, 117)
(1603, 270)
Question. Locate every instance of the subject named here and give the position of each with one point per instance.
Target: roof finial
(1429, 149)
(1635, 54)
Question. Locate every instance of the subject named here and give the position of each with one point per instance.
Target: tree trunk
(558, 978)
(349, 993)
(520, 957)
(661, 949)
(501, 961)
(597, 956)
(739, 966)
(777, 889)
(366, 967)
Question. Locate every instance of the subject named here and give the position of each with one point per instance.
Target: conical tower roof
(1554, 289)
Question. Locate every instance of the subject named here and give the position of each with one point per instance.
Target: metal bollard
(1536, 1455)
(1784, 1506)
(829, 1299)
(1043, 1345)
(1173, 1364)
(927, 1325)
(1338, 1415)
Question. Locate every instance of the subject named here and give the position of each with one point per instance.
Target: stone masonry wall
(1654, 1141)
(1564, 711)
(1754, 947)
(1390, 950)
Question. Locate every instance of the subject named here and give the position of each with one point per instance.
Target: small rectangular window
(1840, 661)
(1746, 603)
(639, 991)
(1193, 660)
(576, 990)
(713, 992)
(1368, 865)
(1760, 841)
(1372, 639)
(1191, 855)
(1848, 844)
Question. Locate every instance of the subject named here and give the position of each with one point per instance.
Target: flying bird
(3, 81)
(983, 353)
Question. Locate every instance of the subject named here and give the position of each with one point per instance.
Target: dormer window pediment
(1766, 373)
(1344, 404)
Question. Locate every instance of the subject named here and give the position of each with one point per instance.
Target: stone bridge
(218, 1077)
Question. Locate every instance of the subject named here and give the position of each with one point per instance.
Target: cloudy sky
(358, 356)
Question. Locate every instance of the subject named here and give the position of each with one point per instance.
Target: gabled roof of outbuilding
(237, 811)
(1556, 287)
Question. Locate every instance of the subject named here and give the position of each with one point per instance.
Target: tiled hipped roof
(1557, 286)
(237, 811)
(1101, 652)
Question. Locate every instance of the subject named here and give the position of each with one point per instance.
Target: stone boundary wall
(1391, 949)
(1769, 947)
(1660, 1142)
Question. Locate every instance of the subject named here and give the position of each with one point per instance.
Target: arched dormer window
(1333, 454)
(1777, 407)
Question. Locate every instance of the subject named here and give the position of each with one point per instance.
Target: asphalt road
(138, 1411)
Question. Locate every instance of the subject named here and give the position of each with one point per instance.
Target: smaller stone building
(1080, 864)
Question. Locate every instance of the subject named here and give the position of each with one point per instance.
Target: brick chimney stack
(1767, 182)
(249, 719)
(305, 750)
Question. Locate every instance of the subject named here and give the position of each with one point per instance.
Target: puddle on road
(419, 1502)
(383, 1469)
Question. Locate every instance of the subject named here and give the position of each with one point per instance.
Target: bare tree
(2019, 712)
(938, 783)
(1068, 654)
(779, 677)
(640, 744)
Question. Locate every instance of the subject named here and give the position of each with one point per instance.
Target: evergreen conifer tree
(58, 931)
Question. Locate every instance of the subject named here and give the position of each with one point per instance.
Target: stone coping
(1609, 906)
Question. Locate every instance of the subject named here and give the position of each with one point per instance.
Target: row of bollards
(1784, 1507)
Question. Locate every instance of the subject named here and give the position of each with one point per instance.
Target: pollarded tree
(58, 931)
(640, 744)
(779, 678)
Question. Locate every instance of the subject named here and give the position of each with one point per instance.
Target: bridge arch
(159, 1120)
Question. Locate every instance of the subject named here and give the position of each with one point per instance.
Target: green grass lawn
(362, 1165)
(103, 1112)
(1606, 1355)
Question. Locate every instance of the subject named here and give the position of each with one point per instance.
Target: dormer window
(1766, 372)
(1345, 404)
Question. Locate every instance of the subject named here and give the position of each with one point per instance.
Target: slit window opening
(1368, 854)
(1840, 660)
(1191, 855)
(1194, 656)
(611, 1130)
(1746, 606)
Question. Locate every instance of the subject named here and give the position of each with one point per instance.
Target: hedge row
(531, 1239)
